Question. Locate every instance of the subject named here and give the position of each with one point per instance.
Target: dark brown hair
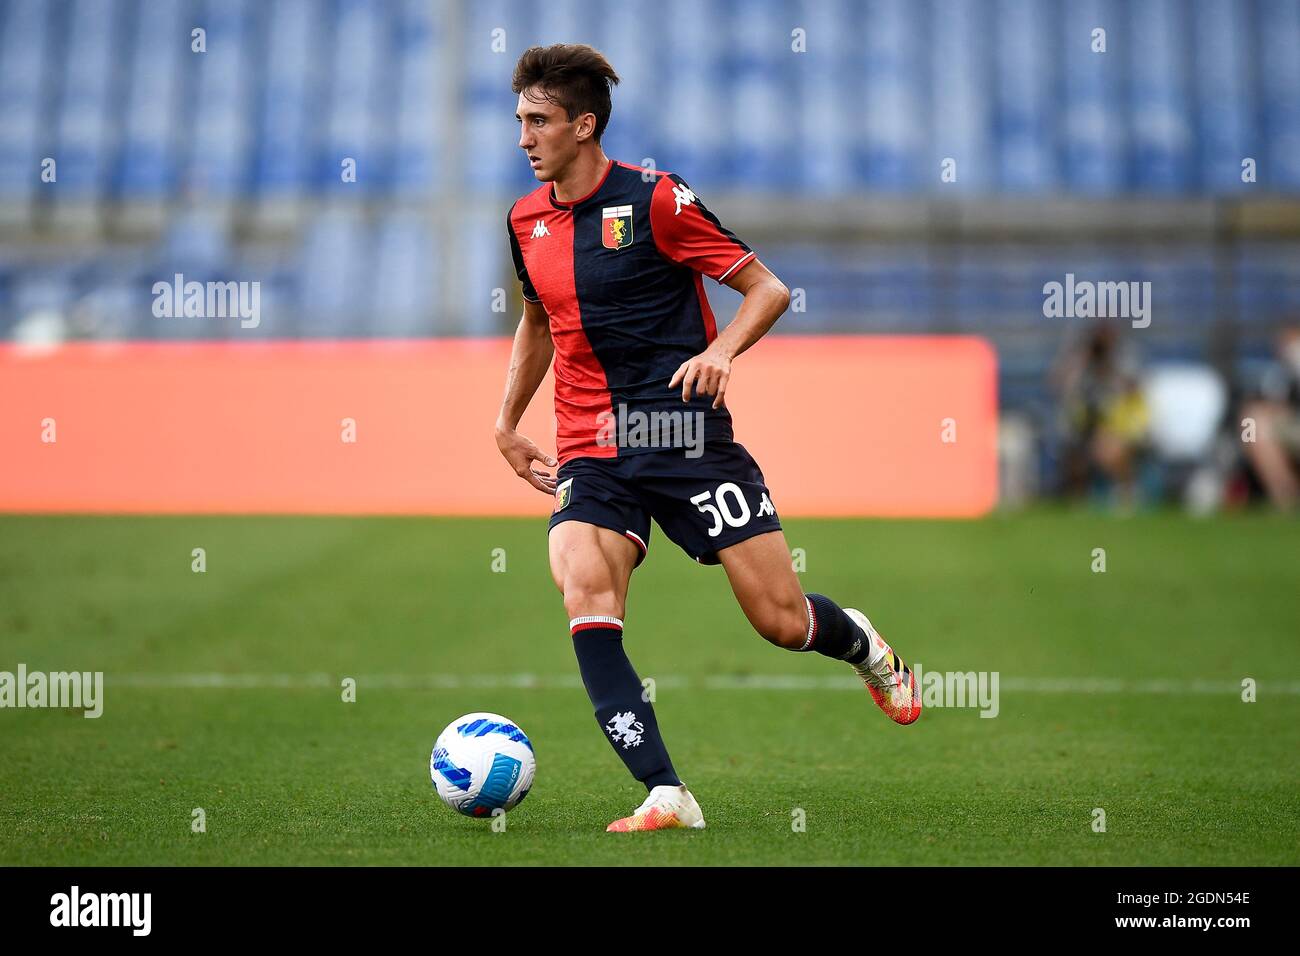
(573, 76)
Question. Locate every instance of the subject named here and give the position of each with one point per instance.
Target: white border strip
(595, 619)
(733, 266)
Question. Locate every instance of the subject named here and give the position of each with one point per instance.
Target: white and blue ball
(481, 763)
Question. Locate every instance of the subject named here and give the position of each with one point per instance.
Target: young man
(611, 258)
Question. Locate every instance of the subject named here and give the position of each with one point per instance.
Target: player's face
(546, 135)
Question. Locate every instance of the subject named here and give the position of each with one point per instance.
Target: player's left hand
(708, 373)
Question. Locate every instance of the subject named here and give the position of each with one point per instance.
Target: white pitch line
(763, 682)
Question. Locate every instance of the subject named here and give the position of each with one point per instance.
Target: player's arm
(766, 297)
(688, 234)
(530, 357)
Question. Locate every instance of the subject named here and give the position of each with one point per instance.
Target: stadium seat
(1026, 130)
(1225, 93)
(358, 120)
(418, 41)
(289, 99)
(25, 131)
(334, 269)
(1279, 75)
(405, 290)
(84, 133)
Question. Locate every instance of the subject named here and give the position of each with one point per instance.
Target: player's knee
(582, 599)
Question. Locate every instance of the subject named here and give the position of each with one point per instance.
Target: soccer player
(612, 258)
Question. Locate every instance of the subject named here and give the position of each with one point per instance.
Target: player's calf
(783, 623)
(808, 622)
(624, 715)
(770, 595)
(831, 632)
(848, 635)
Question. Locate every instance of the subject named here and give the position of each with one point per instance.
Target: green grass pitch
(1147, 722)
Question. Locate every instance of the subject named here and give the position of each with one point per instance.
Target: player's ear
(586, 126)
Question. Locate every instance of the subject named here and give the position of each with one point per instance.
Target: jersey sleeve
(517, 254)
(688, 234)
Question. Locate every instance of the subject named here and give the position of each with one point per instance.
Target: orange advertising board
(841, 425)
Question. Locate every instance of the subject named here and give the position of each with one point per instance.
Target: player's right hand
(521, 453)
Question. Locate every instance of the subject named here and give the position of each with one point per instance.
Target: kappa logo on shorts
(563, 494)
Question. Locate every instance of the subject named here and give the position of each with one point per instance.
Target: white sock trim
(812, 624)
(596, 619)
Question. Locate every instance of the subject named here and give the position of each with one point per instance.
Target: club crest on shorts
(616, 226)
(563, 494)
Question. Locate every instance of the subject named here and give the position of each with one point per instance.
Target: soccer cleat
(891, 682)
(666, 808)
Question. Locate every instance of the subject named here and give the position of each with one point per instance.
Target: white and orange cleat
(665, 808)
(891, 682)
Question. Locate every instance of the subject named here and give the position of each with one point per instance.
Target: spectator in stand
(1274, 455)
(1103, 413)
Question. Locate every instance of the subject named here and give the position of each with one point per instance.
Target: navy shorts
(703, 504)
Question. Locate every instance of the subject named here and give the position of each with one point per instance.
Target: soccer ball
(481, 763)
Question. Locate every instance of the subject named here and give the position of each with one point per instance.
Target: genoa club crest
(616, 227)
(563, 495)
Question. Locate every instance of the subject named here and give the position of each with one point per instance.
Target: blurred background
(905, 167)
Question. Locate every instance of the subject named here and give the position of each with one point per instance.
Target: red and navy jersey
(619, 272)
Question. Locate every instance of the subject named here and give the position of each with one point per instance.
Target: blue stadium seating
(357, 118)
(879, 93)
(84, 135)
(415, 159)
(405, 286)
(289, 98)
(1161, 127)
(1278, 30)
(153, 106)
(1226, 122)
(808, 98)
(24, 103)
(333, 271)
(961, 112)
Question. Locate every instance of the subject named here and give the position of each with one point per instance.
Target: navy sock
(833, 633)
(627, 721)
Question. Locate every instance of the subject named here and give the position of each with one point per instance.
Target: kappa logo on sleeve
(563, 494)
(682, 193)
